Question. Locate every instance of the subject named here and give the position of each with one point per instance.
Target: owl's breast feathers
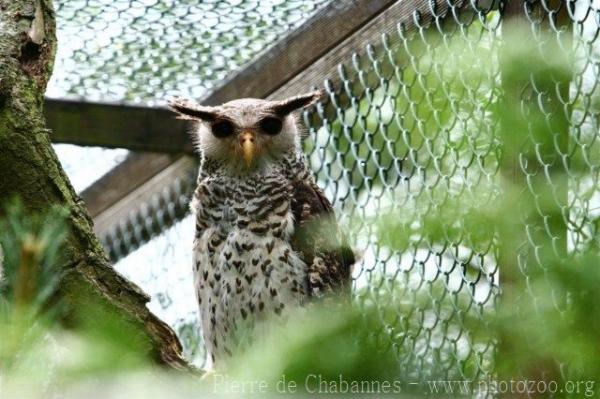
(316, 236)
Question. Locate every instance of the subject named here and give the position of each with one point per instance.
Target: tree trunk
(30, 169)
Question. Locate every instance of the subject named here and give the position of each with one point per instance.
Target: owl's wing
(318, 238)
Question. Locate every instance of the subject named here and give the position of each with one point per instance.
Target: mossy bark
(30, 170)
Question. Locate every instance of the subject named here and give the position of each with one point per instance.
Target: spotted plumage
(266, 239)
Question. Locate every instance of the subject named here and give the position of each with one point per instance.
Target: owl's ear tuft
(287, 106)
(190, 110)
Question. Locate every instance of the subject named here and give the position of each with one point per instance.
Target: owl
(266, 240)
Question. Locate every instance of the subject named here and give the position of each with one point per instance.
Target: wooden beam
(116, 126)
(130, 174)
(144, 194)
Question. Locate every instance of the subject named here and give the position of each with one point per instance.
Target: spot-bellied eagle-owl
(266, 239)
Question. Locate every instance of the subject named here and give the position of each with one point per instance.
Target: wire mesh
(397, 132)
(394, 141)
(151, 50)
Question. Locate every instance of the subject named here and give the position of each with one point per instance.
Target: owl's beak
(248, 147)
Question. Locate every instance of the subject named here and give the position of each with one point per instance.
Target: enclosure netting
(405, 133)
(150, 50)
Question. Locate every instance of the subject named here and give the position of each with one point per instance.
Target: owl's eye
(222, 128)
(271, 126)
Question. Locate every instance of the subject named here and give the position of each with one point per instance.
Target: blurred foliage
(30, 246)
(40, 350)
(31, 249)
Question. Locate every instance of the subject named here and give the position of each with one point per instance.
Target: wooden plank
(180, 169)
(116, 126)
(130, 174)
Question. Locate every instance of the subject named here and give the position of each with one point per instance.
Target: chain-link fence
(407, 128)
(394, 141)
(151, 50)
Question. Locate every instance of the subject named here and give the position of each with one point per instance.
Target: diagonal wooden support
(126, 177)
